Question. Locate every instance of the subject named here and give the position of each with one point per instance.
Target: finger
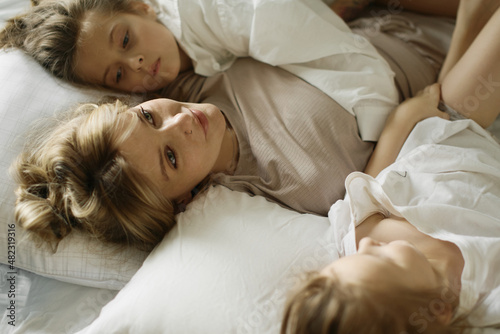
(434, 93)
(427, 89)
(435, 88)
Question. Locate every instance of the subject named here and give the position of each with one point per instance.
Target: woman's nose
(181, 122)
(135, 62)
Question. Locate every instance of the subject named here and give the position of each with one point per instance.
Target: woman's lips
(202, 119)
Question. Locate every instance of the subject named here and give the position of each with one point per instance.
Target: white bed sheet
(44, 305)
(10, 8)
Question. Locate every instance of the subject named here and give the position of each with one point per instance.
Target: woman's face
(128, 52)
(385, 265)
(174, 145)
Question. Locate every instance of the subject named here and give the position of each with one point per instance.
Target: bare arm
(399, 125)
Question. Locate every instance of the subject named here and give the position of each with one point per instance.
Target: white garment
(446, 182)
(304, 37)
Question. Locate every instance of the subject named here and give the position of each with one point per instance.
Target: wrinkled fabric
(304, 37)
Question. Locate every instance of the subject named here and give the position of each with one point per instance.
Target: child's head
(324, 305)
(112, 43)
(383, 290)
(75, 178)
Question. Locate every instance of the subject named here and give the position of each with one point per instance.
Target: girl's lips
(155, 68)
(200, 116)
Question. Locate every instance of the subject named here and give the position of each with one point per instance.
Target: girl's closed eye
(147, 116)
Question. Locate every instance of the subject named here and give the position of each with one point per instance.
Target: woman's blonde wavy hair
(49, 32)
(75, 178)
(325, 305)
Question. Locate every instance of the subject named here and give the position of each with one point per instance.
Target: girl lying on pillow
(125, 45)
(422, 240)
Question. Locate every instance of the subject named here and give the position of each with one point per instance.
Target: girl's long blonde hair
(74, 178)
(325, 305)
(49, 32)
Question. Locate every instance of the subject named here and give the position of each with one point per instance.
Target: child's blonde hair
(49, 32)
(324, 305)
(75, 178)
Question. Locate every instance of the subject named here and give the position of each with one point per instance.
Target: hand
(422, 106)
(399, 125)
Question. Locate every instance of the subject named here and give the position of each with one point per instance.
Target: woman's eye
(118, 75)
(125, 40)
(147, 116)
(171, 157)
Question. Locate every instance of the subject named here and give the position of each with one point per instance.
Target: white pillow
(225, 268)
(11, 8)
(29, 93)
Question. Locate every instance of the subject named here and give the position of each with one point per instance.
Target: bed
(231, 278)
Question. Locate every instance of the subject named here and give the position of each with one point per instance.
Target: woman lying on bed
(125, 186)
(423, 239)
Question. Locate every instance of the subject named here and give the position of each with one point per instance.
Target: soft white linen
(11, 8)
(303, 37)
(446, 182)
(44, 305)
(225, 268)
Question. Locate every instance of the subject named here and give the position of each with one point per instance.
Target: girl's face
(128, 52)
(174, 145)
(397, 263)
